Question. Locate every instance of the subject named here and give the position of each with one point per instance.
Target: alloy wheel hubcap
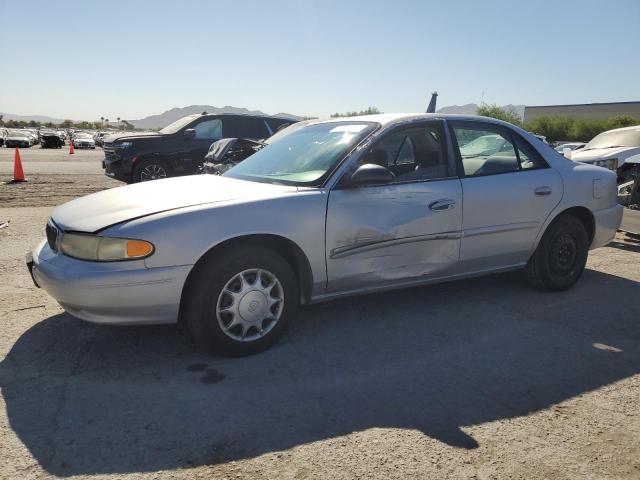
(152, 172)
(250, 305)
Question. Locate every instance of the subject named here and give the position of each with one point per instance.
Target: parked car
(179, 148)
(98, 138)
(32, 133)
(83, 140)
(50, 139)
(484, 145)
(573, 146)
(18, 138)
(335, 208)
(228, 152)
(3, 135)
(615, 150)
(542, 138)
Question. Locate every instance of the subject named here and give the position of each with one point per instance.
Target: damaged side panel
(379, 235)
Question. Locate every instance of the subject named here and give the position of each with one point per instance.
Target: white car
(83, 140)
(18, 138)
(570, 145)
(542, 138)
(616, 150)
(328, 209)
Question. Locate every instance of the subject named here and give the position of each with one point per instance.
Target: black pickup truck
(180, 148)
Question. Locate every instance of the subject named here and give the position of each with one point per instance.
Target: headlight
(123, 145)
(104, 249)
(609, 163)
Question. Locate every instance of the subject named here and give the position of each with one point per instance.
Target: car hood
(18, 137)
(603, 153)
(130, 136)
(109, 207)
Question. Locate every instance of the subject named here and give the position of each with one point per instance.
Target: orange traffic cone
(18, 174)
(71, 149)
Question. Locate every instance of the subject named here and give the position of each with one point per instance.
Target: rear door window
(485, 149)
(277, 124)
(245, 127)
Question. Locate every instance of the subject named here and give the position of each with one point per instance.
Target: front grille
(109, 152)
(52, 236)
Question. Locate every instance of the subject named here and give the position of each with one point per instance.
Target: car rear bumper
(607, 222)
(109, 293)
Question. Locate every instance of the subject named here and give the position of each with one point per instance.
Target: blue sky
(86, 59)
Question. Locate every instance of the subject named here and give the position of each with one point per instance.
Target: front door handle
(542, 191)
(442, 204)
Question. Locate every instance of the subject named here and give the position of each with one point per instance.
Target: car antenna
(432, 104)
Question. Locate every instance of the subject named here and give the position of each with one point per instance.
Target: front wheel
(561, 255)
(150, 170)
(241, 301)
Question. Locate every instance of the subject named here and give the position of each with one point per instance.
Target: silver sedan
(327, 209)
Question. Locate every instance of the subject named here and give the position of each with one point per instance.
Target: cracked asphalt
(482, 378)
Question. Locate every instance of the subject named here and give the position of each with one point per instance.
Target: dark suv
(179, 148)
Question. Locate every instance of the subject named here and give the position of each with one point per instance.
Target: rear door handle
(542, 191)
(442, 204)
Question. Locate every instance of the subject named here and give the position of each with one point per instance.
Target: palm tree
(106, 120)
(102, 120)
(118, 120)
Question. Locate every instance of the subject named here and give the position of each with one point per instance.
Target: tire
(145, 168)
(560, 258)
(210, 308)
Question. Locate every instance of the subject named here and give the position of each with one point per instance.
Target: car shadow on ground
(89, 399)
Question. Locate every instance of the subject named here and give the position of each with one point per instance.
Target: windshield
(177, 125)
(615, 138)
(304, 156)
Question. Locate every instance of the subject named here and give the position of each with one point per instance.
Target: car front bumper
(17, 143)
(607, 222)
(116, 165)
(110, 292)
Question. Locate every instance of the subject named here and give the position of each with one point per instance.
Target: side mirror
(371, 174)
(189, 133)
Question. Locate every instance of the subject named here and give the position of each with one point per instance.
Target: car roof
(247, 115)
(633, 127)
(388, 119)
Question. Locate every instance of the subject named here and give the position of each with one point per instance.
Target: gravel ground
(482, 378)
(54, 176)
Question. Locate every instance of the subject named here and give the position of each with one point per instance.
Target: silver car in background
(328, 209)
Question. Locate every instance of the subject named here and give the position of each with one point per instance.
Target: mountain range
(472, 108)
(169, 116)
(157, 121)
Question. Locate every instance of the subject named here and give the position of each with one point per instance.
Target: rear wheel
(240, 301)
(150, 170)
(561, 255)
